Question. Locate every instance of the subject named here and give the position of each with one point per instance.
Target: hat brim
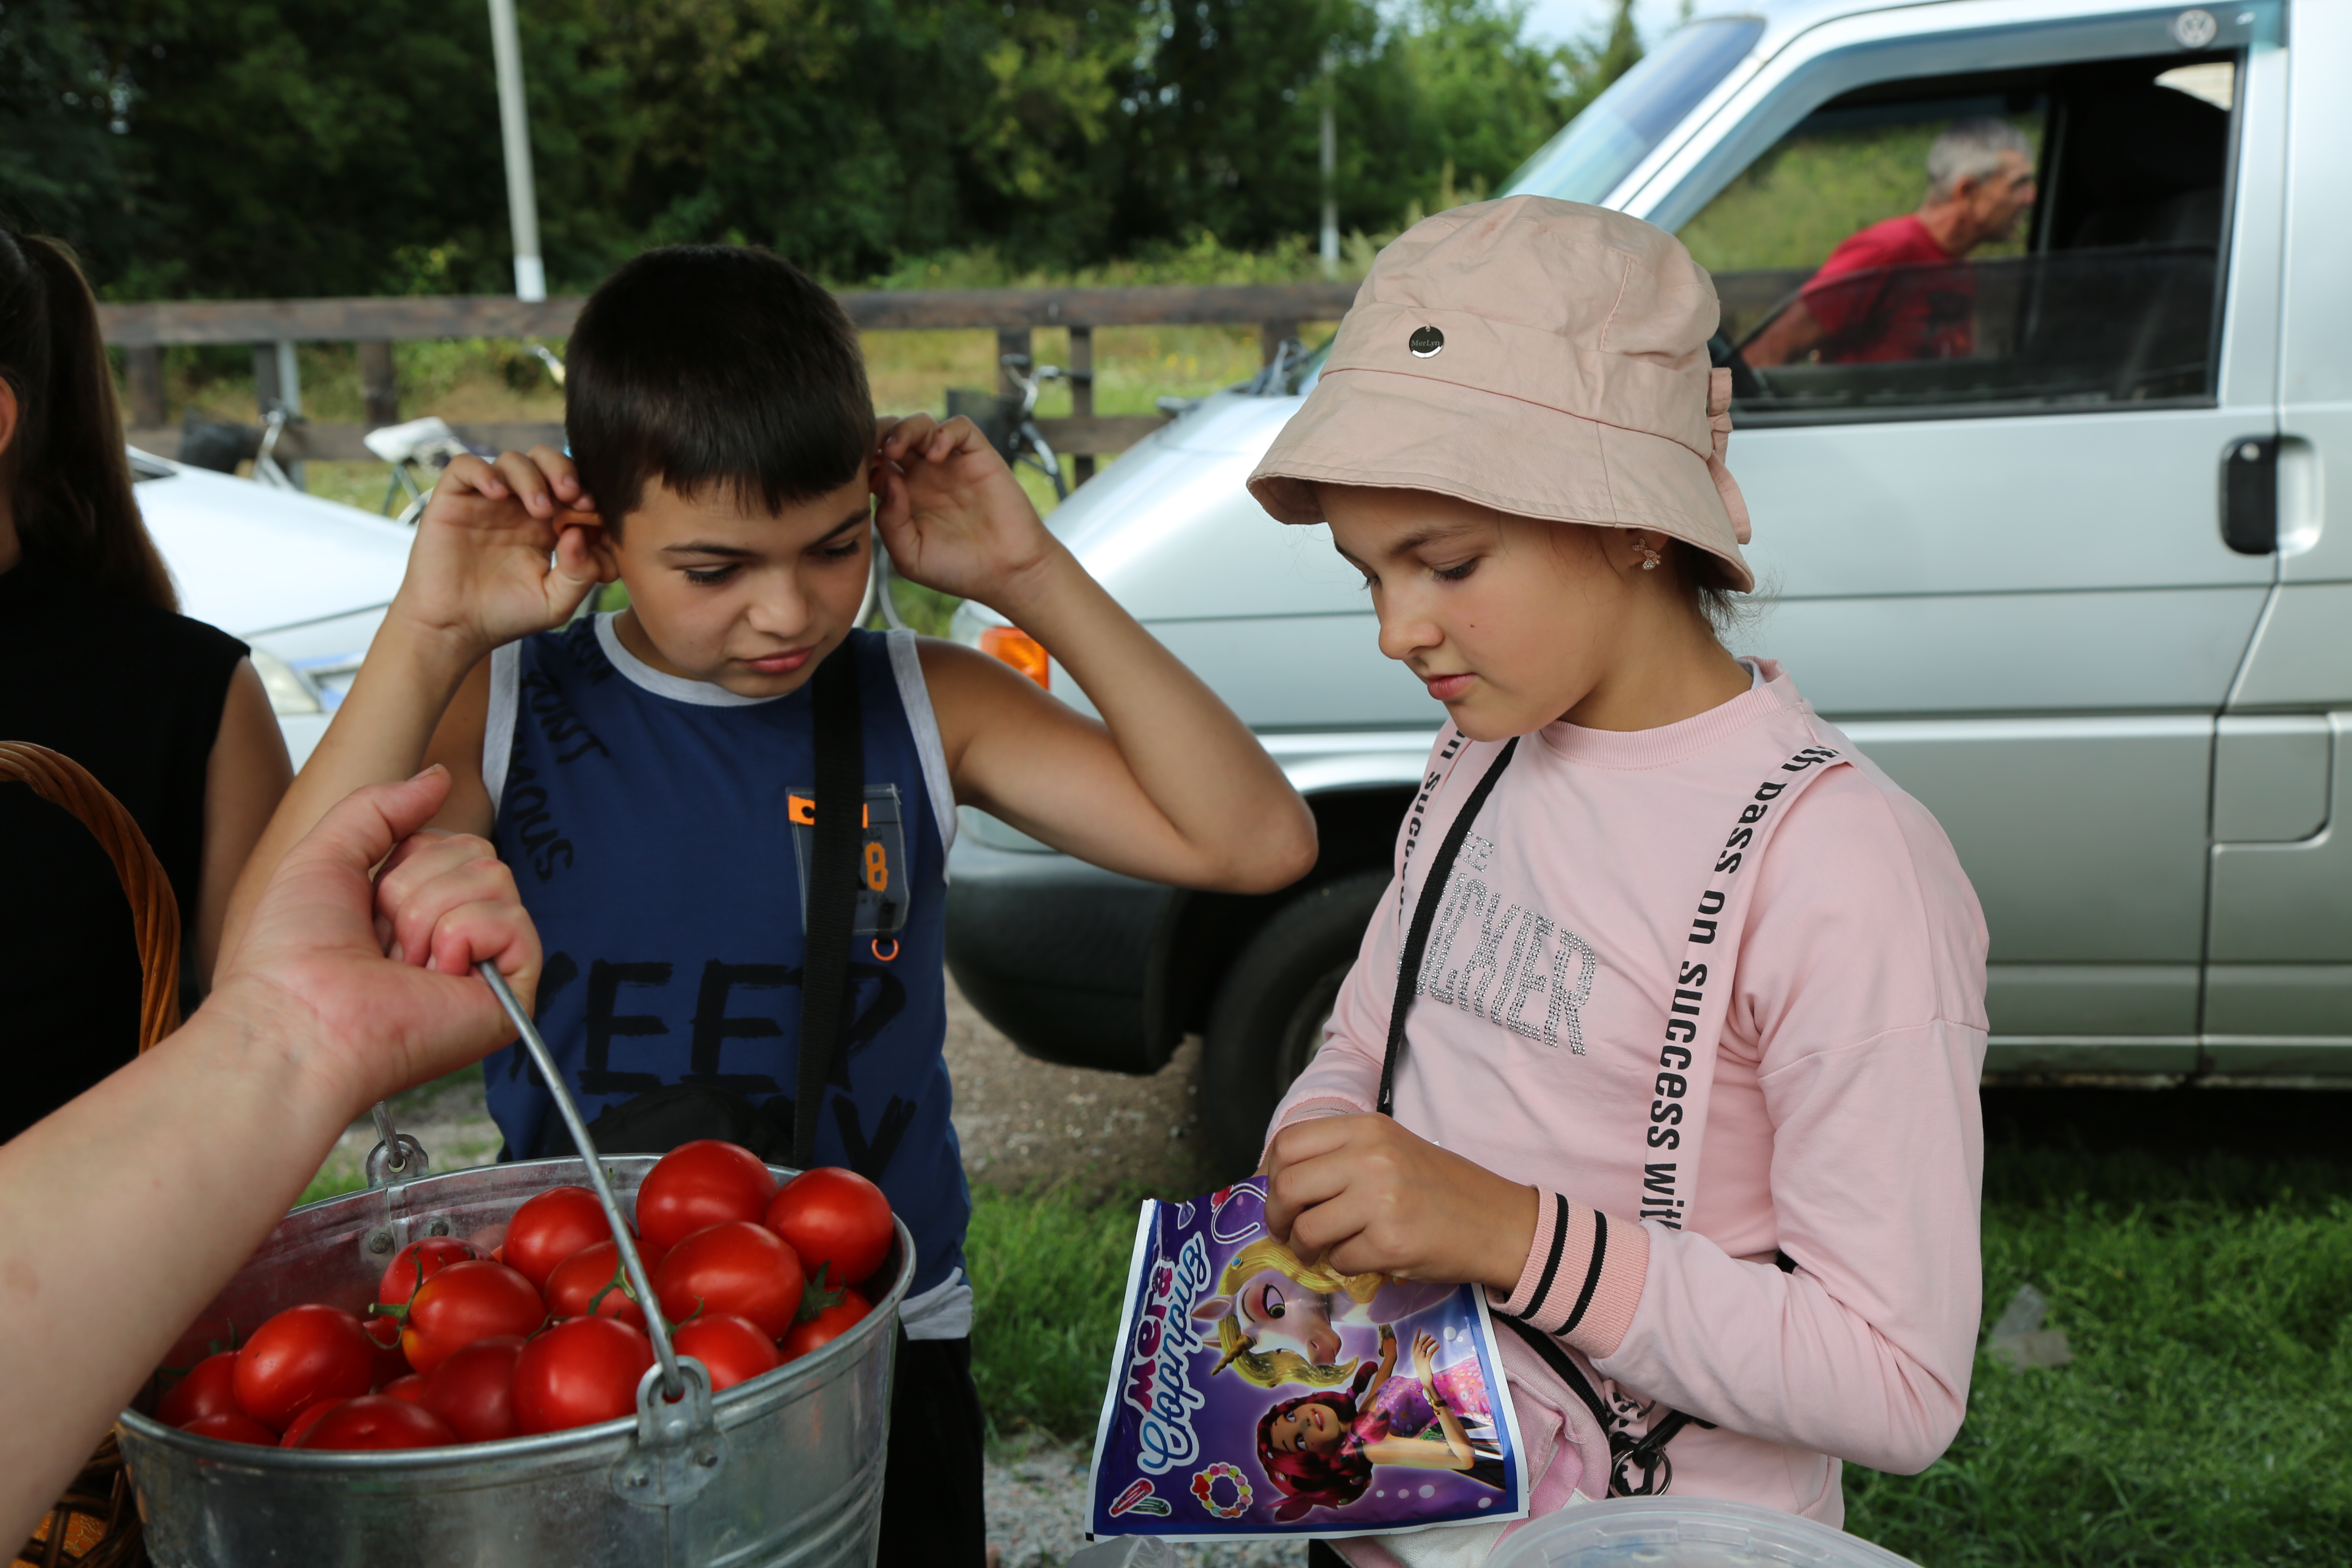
(1408, 432)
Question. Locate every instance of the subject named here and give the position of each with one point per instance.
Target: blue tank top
(659, 830)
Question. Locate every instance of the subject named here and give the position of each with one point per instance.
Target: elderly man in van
(1904, 289)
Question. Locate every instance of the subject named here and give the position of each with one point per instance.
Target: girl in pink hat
(1669, 1031)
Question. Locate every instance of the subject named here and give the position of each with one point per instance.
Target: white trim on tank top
(906, 665)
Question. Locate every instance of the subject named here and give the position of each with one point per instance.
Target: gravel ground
(1023, 1124)
(1038, 1509)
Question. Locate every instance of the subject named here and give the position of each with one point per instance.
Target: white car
(304, 582)
(2081, 582)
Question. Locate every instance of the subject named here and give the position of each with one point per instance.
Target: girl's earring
(1649, 553)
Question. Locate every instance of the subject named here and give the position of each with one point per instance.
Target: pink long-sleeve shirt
(1843, 1131)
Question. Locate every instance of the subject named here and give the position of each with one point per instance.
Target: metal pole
(1330, 173)
(522, 201)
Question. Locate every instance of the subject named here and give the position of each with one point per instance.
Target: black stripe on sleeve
(1552, 1264)
(1591, 1274)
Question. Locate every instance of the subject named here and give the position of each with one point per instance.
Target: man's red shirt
(1891, 293)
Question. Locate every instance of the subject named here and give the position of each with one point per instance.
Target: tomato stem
(817, 1297)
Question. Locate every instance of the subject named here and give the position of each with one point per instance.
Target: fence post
(143, 368)
(1082, 395)
(377, 384)
(1270, 336)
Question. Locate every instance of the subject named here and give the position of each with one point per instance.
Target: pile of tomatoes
(544, 1331)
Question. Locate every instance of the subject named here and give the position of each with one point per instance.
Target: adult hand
(1381, 1200)
(952, 516)
(311, 968)
(503, 550)
(133, 1203)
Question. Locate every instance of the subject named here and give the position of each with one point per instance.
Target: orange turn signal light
(1019, 650)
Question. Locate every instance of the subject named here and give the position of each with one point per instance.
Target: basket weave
(96, 1524)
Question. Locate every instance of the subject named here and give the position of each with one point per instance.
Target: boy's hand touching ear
(952, 514)
(481, 571)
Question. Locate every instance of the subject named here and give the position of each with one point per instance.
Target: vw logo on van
(2194, 29)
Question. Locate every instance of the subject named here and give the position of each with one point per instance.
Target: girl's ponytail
(68, 480)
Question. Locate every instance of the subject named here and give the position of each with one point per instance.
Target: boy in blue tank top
(650, 775)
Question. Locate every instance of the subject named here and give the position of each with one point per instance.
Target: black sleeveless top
(134, 695)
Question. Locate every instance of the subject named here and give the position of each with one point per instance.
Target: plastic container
(1657, 1532)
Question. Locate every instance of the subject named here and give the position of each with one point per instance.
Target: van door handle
(2249, 495)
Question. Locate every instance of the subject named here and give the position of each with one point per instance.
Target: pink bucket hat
(1539, 357)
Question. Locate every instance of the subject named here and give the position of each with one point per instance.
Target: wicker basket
(96, 1523)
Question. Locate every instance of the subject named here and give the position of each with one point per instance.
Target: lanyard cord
(1424, 915)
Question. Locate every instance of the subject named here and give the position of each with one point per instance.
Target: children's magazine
(1255, 1395)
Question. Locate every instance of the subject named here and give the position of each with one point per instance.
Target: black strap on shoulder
(832, 882)
(1424, 915)
(1638, 1466)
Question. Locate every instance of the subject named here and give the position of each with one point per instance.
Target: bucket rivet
(380, 1239)
(706, 1460)
(437, 1227)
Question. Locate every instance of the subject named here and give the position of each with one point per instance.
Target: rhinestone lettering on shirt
(1506, 966)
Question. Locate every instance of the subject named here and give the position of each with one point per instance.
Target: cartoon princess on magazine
(1320, 1450)
(1279, 1319)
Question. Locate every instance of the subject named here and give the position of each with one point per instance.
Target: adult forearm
(379, 735)
(103, 1263)
(1197, 763)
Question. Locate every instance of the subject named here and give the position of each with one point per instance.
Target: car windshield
(1600, 146)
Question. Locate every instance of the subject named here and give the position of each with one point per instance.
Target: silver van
(2069, 574)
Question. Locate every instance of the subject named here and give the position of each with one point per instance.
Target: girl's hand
(1385, 1200)
(480, 573)
(1424, 1363)
(952, 514)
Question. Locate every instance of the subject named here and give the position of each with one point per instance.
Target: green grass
(2204, 1282)
(1047, 1273)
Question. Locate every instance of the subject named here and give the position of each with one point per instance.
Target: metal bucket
(783, 1469)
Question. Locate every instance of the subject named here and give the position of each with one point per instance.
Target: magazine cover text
(1255, 1396)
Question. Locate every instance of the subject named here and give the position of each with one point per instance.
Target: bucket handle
(673, 1382)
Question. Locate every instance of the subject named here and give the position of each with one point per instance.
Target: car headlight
(291, 692)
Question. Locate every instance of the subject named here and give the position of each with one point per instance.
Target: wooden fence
(143, 330)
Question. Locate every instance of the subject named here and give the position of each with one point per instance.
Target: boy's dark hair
(715, 364)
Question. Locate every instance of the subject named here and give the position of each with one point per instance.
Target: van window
(1600, 146)
(2045, 239)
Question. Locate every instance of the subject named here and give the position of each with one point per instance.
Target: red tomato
(378, 1421)
(232, 1426)
(413, 1265)
(209, 1389)
(391, 1361)
(827, 1326)
(580, 1372)
(738, 1267)
(732, 1348)
(464, 1302)
(411, 1388)
(300, 1357)
(704, 1183)
(301, 1426)
(834, 1217)
(581, 1278)
(550, 1228)
(472, 1390)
